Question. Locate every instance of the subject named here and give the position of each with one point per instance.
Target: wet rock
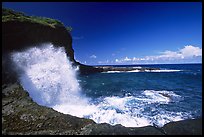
(23, 116)
(185, 127)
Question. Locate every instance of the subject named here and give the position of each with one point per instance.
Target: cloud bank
(188, 54)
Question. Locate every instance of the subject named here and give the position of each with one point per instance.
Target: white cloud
(104, 62)
(170, 54)
(187, 54)
(127, 59)
(93, 56)
(189, 51)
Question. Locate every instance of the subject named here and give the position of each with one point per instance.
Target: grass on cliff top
(11, 15)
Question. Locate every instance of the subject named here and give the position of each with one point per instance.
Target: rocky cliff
(20, 115)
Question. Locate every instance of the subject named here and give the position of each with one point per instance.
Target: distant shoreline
(138, 68)
(145, 64)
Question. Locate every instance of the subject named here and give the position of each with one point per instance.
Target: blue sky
(127, 32)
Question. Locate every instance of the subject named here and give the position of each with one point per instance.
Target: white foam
(166, 117)
(162, 97)
(81, 108)
(129, 111)
(113, 118)
(113, 72)
(106, 111)
(146, 70)
(137, 67)
(47, 74)
(134, 70)
(114, 110)
(166, 70)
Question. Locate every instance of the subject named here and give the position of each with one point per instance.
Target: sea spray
(51, 80)
(47, 74)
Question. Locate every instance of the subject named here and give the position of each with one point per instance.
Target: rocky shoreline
(125, 69)
(22, 116)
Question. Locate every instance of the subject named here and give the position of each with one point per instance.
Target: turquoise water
(156, 96)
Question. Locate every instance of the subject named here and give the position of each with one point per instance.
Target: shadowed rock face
(21, 31)
(186, 127)
(21, 35)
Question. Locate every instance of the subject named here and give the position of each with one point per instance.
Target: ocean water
(132, 99)
(171, 94)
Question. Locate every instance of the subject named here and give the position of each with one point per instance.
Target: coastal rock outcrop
(22, 116)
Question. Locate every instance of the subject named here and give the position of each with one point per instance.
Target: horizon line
(144, 64)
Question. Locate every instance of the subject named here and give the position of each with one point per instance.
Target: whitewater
(53, 81)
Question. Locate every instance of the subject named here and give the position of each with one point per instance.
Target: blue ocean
(132, 99)
(154, 97)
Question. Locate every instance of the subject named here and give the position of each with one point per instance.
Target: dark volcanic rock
(84, 69)
(21, 35)
(20, 115)
(185, 127)
(106, 129)
(124, 69)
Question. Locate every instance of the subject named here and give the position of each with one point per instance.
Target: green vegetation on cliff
(10, 15)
